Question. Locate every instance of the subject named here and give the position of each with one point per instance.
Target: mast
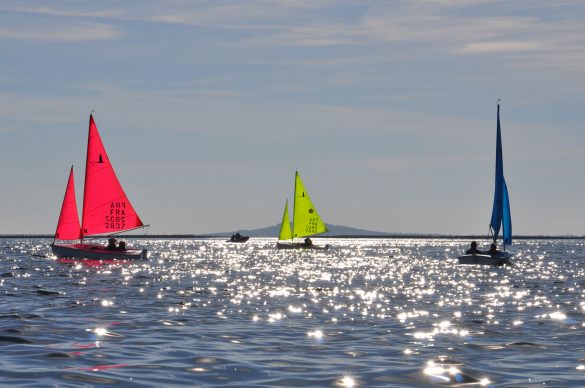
(497, 209)
(294, 207)
(86, 176)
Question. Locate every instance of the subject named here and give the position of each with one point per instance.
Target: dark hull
(239, 240)
(281, 245)
(93, 251)
(502, 258)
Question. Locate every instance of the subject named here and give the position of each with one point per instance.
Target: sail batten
(106, 208)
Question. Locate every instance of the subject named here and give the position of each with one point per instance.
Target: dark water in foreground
(369, 313)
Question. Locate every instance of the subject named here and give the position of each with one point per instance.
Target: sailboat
(306, 221)
(501, 216)
(106, 209)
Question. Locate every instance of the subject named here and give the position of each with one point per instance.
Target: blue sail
(501, 210)
(506, 218)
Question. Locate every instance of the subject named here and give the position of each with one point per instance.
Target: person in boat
(121, 246)
(473, 249)
(308, 242)
(111, 244)
(493, 249)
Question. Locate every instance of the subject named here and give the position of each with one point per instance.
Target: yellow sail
(306, 220)
(285, 231)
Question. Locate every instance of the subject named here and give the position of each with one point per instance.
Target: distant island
(335, 231)
(341, 231)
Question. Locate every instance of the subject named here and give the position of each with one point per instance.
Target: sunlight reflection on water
(369, 312)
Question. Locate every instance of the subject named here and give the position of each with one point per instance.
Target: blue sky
(387, 109)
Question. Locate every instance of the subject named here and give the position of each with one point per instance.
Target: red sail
(68, 226)
(106, 209)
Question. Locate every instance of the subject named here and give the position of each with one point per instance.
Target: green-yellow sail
(285, 231)
(306, 220)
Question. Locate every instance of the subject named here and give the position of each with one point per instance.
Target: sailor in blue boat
(473, 249)
(493, 249)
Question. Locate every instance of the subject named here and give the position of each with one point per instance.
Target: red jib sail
(106, 208)
(68, 226)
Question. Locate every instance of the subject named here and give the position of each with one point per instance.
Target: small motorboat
(238, 238)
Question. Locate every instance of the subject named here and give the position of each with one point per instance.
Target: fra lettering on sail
(117, 217)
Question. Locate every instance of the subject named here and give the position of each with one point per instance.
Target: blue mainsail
(501, 216)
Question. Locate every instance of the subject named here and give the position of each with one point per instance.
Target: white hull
(502, 258)
(93, 251)
(281, 245)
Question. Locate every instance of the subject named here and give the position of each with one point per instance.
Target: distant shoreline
(377, 236)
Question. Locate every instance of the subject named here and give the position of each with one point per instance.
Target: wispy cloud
(499, 47)
(459, 27)
(68, 11)
(176, 93)
(57, 32)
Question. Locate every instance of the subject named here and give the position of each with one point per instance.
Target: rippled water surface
(367, 313)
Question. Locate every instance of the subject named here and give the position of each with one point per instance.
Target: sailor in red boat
(111, 244)
(121, 246)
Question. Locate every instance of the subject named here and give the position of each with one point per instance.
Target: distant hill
(334, 230)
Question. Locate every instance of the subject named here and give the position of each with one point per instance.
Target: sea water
(366, 313)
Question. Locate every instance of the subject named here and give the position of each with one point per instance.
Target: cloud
(458, 27)
(542, 33)
(236, 14)
(61, 12)
(57, 32)
(499, 47)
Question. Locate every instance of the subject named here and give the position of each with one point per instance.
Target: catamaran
(306, 221)
(106, 209)
(501, 216)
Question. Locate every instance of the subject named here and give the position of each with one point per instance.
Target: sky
(386, 108)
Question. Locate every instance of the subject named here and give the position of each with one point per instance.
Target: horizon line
(345, 236)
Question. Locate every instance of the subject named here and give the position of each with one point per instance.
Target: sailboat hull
(502, 258)
(281, 245)
(94, 251)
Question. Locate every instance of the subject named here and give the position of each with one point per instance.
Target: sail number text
(312, 225)
(117, 217)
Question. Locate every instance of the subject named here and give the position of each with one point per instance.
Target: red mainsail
(106, 208)
(68, 226)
